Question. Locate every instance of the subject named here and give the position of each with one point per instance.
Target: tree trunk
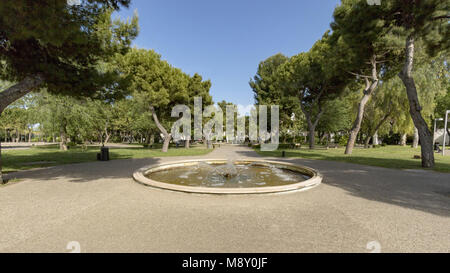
(19, 90)
(375, 139)
(166, 135)
(209, 144)
(403, 140)
(357, 124)
(107, 136)
(152, 139)
(367, 94)
(30, 135)
(166, 143)
(415, 143)
(100, 137)
(370, 87)
(14, 93)
(425, 135)
(312, 136)
(63, 136)
(312, 126)
(308, 114)
(324, 136)
(186, 144)
(367, 141)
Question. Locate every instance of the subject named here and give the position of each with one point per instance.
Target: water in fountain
(229, 175)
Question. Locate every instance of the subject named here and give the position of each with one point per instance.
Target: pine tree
(52, 44)
(419, 21)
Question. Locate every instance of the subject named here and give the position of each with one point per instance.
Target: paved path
(101, 207)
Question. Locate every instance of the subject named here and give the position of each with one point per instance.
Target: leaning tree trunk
(166, 135)
(324, 136)
(415, 143)
(14, 93)
(107, 136)
(166, 143)
(19, 90)
(425, 135)
(367, 141)
(374, 136)
(368, 91)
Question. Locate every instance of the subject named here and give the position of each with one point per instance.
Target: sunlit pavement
(99, 206)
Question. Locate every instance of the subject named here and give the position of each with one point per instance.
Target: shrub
(285, 146)
(71, 144)
(342, 140)
(393, 139)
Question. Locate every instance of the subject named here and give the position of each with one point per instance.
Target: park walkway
(100, 206)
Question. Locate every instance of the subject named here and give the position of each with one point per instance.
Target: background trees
(419, 21)
(269, 89)
(64, 59)
(369, 51)
(35, 53)
(158, 87)
(301, 85)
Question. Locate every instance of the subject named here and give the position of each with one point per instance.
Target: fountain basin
(307, 178)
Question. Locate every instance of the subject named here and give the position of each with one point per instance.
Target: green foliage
(361, 33)
(443, 105)
(155, 83)
(338, 114)
(64, 44)
(268, 90)
(425, 20)
(395, 157)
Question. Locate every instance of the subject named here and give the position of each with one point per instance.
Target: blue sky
(224, 40)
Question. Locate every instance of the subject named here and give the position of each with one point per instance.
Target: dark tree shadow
(423, 190)
(87, 171)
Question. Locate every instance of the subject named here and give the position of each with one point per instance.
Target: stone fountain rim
(314, 181)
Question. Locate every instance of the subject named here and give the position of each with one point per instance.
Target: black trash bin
(104, 154)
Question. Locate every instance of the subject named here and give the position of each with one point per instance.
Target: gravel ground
(98, 205)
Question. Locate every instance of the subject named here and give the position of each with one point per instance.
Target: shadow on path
(426, 191)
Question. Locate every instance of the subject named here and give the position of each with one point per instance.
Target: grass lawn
(44, 156)
(389, 156)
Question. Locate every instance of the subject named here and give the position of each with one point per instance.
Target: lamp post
(445, 131)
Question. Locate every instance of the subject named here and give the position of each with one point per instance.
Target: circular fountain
(221, 176)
